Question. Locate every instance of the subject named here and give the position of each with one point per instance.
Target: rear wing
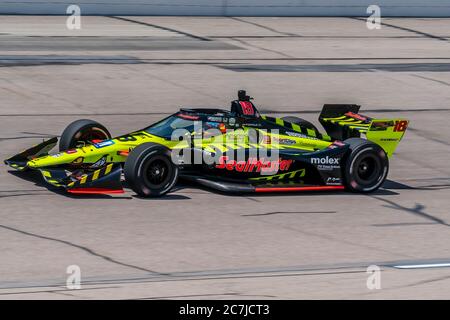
(342, 121)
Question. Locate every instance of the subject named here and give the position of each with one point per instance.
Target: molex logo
(326, 160)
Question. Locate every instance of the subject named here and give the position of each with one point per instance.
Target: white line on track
(419, 266)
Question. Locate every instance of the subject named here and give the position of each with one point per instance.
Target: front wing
(101, 180)
(104, 180)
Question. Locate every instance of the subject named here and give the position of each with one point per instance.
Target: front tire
(366, 166)
(149, 170)
(81, 132)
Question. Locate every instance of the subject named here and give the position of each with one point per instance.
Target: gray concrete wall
(431, 8)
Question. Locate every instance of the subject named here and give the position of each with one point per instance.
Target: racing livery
(237, 150)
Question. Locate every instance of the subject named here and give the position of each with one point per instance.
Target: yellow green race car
(237, 150)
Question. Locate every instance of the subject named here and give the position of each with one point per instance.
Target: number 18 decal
(400, 125)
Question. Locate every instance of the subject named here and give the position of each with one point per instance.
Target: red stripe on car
(95, 191)
(291, 189)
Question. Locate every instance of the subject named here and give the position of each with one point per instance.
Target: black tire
(300, 122)
(149, 170)
(82, 131)
(366, 166)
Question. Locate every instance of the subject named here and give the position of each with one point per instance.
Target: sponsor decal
(132, 136)
(247, 108)
(215, 119)
(287, 175)
(356, 116)
(381, 125)
(212, 124)
(252, 124)
(57, 155)
(188, 116)
(283, 141)
(300, 135)
(326, 160)
(71, 151)
(400, 126)
(333, 181)
(336, 144)
(103, 144)
(100, 163)
(253, 165)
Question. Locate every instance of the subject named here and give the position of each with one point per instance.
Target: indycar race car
(238, 151)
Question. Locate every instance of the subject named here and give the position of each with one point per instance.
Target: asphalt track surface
(128, 72)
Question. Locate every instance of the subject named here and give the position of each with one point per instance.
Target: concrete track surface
(128, 72)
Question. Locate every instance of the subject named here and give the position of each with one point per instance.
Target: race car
(236, 151)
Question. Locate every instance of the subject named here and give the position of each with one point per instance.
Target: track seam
(190, 35)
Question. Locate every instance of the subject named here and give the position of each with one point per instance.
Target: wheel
(149, 170)
(366, 166)
(300, 122)
(80, 132)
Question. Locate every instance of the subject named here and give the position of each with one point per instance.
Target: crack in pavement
(428, 136)
(252, 199)
(264, 27)
(422, 164)
(333, 239)
(63, 289)
(83, 248)
(190, 35)
(418, 210)
(261, 48)
(431, 79)
(293, 35)
(39, 134)
(404, 224)
(23, 194)
(393, 185)
(284, 212)
(224, 274)
(415, 284)
(25, 137)
(234, 294)
(28, 190)
(427, 281)
(424, 34)
(45, 95)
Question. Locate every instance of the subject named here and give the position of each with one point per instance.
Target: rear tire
(82, 132)
(301, 122)
(366, 166)
(149, 170)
